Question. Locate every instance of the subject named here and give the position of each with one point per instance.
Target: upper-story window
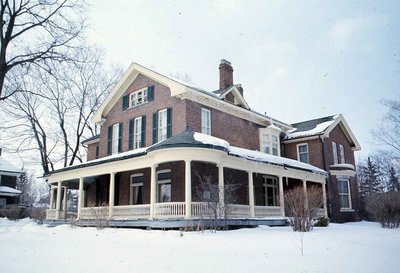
(138, 97)
(162, 125)
(269, 141)
(137, 133)
(334, 152)
(205, 121)
(302, 153)
(114, 142)
(342, 159)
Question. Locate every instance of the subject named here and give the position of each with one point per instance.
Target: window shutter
(155, 131)
(150, 93)
(97, 151)
(120, 138)
(169, 122)
(125, 102)
(130, 137)
(143, 137)
(109, 141)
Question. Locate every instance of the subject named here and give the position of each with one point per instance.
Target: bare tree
(52, 117)
(210, 192)
(302, 210)
(35, 33)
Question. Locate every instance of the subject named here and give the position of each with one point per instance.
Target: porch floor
(173, 223)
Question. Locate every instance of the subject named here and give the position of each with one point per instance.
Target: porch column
(324, 200)
(305, 194)
(281, 195)
(188, 190)
(58, 202)
(51, 197)
(112, 195)
(153, 190)
(65, 203)
(80, 197)
(251, 194)
(221, 188)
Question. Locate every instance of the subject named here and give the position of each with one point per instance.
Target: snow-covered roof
(7, 167)
(322, 126)
(7, 191)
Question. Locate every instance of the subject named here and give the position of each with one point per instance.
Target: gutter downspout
(328, 179)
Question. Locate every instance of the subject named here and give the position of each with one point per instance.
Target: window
(265, 143)
(302, 153)
(205, 121)
(136, 189)
(164, 186)
(269, 142)
(162, 125)
(334, 152)
(137, 134)
(275, 142)
(341, 148)
(137, 98)
(115, 137)
(271, 191)
(344, 194)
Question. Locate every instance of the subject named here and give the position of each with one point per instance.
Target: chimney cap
(223, 61)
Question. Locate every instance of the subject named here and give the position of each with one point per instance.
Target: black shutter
(150, 93)
(109, 141)
(97, 151)
(155, 127)
(130, 138)
(125, 102)
(120, 138)
(143, 137)
(169, 122)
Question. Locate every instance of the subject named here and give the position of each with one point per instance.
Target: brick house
(161, 138)
(9, 174)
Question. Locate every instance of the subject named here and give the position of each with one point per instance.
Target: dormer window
(269, 140)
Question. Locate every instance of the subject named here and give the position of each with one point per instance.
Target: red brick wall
(91, 151)
(238, 132)
(162, 99)
(314, 151)
(124, 186)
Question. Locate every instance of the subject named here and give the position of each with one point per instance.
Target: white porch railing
(264, 211)
(200, 209)
(238, 211)
(51, 214)
(94, 213)
(131, 212)
(169, 210)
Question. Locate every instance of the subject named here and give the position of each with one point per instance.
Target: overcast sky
(296, 60)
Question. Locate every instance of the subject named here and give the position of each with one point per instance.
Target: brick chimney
(225, 74)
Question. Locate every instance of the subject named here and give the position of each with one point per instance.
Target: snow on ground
(354, 247)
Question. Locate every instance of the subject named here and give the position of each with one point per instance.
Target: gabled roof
(177, 88)
(321, 127)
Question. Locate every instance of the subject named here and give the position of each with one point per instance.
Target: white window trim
(266, 186)
(115, 138)
(205, 127)
(350, 208)
(137, 132)
(163, 181)
(298, 152)
(270, 133)
(342, 156)
(144, 95)
(334, 153)
(162, 128)
(132, 185)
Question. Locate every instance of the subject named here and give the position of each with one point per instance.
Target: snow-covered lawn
(354, 247)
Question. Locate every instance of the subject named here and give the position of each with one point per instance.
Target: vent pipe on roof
(225, 74)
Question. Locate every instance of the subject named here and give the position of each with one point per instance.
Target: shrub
(384, 208)
(321, 222)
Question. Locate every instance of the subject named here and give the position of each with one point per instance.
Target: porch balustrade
(169, 210)
(51, 214)
(94, 213)
(238, 211)
(131, 212)
(263, 211)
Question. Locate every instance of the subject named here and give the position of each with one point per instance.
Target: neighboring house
(161, 138)
(9, 174)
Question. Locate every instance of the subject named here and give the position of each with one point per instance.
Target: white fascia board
(347, 131)
(235, 91)
(129, 76)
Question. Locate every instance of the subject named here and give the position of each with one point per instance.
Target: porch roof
(190, 139)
